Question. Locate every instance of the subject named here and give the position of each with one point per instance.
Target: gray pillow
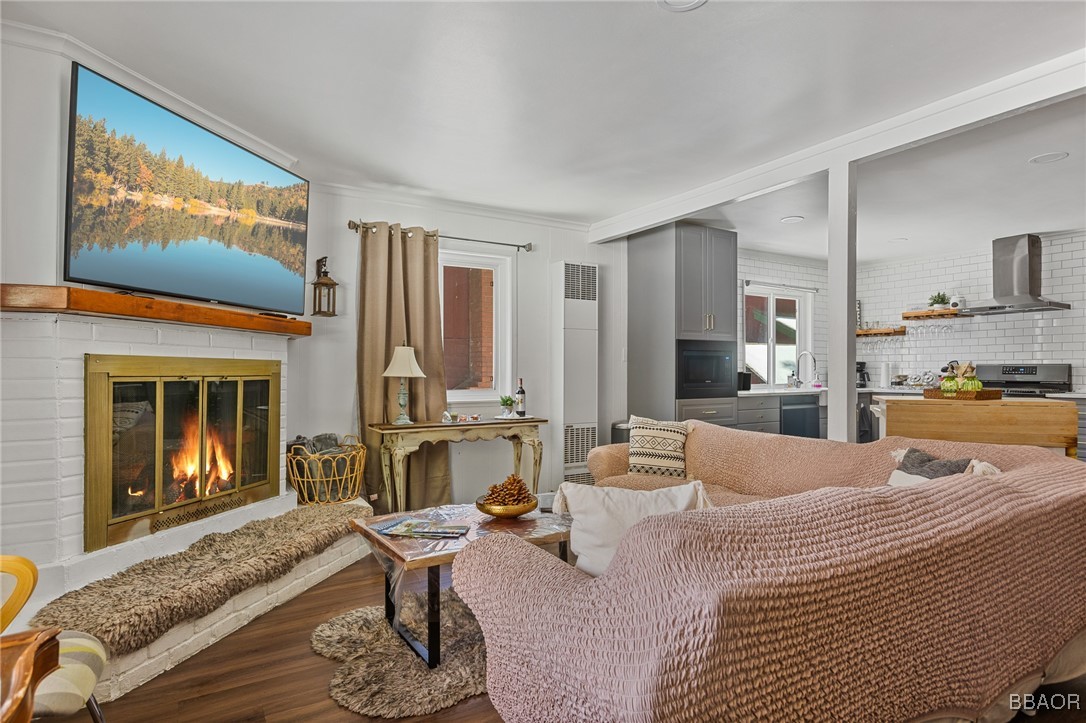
(925, 465)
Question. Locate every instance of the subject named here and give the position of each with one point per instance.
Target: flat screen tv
(157, 203)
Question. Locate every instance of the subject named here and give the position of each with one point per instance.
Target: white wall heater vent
(580, 281)
(575, 366)
(579, 478)
(579, 439)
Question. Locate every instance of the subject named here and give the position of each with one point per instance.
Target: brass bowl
(506, 511)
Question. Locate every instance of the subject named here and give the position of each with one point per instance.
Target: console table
(400, 440)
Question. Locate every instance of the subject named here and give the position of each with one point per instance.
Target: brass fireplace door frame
(99, 529)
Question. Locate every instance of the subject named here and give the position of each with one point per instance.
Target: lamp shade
(403, 364)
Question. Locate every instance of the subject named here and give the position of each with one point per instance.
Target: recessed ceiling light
(680, 6)
(1049, 157)
(791, 219)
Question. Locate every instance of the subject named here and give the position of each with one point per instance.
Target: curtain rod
(527, 248)
(789, 287)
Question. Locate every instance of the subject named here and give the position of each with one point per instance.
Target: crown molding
(431, 203)
(56, 43)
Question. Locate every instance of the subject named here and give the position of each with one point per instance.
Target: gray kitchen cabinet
(765, 427)
(760, 414)
(682, 281)
(706, 288)
(723, 412)
(764, 401)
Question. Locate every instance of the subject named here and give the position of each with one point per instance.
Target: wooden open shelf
(72, 300)
(934, 314)
(889, 331)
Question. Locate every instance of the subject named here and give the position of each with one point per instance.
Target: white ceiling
(949, 196)
(571, 110)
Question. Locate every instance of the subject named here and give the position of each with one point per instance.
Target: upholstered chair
(82, 657)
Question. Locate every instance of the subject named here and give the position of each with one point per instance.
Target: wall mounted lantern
(324, 290)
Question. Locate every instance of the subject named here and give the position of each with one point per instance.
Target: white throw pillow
(899, 478)
(601, 515)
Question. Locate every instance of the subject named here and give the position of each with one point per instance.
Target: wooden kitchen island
(1015, 420)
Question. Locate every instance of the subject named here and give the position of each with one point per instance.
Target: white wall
(33, 145)
(41, 374)
(795, 271)
(887, 289)
(323, 397)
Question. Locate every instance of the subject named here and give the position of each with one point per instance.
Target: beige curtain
(398, 301)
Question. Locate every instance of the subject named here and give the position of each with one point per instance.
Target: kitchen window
(776, 328)
(476, 324)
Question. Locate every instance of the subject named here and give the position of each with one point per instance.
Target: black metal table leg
(390, 604)
(431, 652)
(433, 615)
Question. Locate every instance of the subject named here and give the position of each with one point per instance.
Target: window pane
(468, 327)
(756, 335)
(786, 333)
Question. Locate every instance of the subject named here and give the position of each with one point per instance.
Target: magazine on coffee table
(425, 528)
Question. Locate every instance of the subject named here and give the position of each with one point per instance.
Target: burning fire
(218, 469)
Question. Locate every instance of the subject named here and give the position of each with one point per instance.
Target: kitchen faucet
(814, 366)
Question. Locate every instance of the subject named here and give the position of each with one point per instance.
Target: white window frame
(502, 266)
(804, 331)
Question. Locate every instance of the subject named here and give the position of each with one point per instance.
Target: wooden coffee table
(410, 553)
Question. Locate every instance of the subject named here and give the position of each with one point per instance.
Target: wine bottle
(518, 397)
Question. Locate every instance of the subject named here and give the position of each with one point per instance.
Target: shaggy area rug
(135, 607)
(382, 677)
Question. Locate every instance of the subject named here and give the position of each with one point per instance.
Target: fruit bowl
(506, 511)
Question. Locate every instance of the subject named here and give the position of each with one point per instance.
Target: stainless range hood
(1016, 279)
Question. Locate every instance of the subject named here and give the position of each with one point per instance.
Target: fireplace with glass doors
(170, 440)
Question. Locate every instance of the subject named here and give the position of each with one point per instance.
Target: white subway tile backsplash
(887, 289)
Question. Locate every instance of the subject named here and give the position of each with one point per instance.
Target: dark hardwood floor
(266, 672)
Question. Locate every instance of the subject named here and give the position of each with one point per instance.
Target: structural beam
(842, 302)
(1034, 87)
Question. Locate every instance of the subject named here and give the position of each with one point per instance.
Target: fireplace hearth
(171, 440)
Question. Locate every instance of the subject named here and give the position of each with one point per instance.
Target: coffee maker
(862, 377)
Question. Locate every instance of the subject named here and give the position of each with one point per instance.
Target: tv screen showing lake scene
(157, 203)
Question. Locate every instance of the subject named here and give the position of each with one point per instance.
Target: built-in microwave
(705, 369)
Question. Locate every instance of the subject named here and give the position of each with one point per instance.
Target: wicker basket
(978, 395)
(327, 479)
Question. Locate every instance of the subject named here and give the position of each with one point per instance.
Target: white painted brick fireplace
(41, 454)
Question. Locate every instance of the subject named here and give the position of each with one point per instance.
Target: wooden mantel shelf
(73, 300)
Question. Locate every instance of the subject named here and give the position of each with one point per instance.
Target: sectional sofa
(814, 592)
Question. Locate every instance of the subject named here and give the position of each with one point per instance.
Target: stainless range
(1026, 380)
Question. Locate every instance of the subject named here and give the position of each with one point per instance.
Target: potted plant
(506, 402)
(939, 300)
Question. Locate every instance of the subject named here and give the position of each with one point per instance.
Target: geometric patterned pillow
(657, 447)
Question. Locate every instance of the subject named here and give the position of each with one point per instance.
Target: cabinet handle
(707, 412)
(712, 322)
(706, 322)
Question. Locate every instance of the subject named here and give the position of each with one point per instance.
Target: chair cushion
(65, 691)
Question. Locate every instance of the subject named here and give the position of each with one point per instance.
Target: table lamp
(403, 365)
